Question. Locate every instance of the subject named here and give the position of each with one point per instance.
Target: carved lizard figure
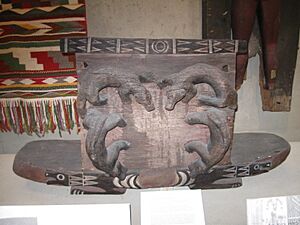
(181, 87)
(104, 158)
(219, 141)
(93, 81)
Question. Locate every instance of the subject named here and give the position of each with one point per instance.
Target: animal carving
(127, 83)
(181, 87)
(219, 141)
(104, 158)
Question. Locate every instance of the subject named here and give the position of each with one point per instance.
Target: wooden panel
(157, 138)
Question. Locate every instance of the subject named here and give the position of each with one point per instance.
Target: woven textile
(38, 84)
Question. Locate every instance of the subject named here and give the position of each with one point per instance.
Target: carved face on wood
(172, 114)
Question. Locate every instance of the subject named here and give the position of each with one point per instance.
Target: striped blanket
(38, 84)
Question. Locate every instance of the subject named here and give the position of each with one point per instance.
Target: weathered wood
(58, 162)
(151, 119)
(151, 46)
(247, 160)
(216, 17)
(36, 157)
(164, 89)
(216, 25)
(279, 98)
(40, 161)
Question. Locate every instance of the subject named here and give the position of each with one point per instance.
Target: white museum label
(170, 207)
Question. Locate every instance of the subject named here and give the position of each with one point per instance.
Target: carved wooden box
(158, 113)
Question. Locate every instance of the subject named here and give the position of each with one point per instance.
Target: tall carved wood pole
(279, 23)
(243, 18)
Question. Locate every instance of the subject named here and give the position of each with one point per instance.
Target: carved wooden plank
(151, 46)
(216, 19)
(39, 161)
(156, 137)
(279, 98)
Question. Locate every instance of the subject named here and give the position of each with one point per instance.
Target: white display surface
(69, 214)
(172, 207)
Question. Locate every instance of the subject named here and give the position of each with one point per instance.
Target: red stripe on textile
(76, 116)
(20, 119)
(67, 119)
(39, 117)
(43, 58)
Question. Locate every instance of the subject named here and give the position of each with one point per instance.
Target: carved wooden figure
(275, 38)
(243, 18)
(156, 113)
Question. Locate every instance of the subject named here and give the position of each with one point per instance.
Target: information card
(172, 207)
(66, 214)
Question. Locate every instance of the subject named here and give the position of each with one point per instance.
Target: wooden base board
(58, 162)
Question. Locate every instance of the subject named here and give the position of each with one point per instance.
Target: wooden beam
(279, 98)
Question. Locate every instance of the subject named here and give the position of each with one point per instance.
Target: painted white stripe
(118, 50)
(174, 46)
(183, 177)
(124, 182)
(116, 182)
(89, 43)
(147, 46)
(131, 182)
(236, 46)
(210, 46)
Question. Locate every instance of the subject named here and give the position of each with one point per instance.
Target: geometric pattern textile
(38, 83)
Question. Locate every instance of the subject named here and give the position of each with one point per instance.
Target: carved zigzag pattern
(151, 46)
(185, 46)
